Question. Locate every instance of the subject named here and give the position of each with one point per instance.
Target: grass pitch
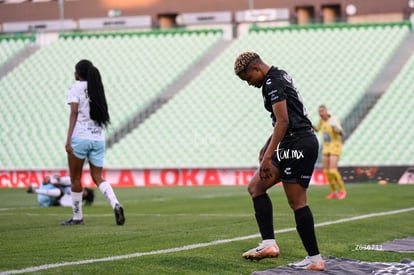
(193, 230)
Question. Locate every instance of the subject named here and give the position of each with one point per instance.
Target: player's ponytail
(97, 100)
(96, 92)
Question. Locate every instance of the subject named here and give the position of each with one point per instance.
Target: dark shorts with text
(295, 157)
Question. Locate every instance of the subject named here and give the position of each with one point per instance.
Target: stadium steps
(384, 136)
(17, 59)
(168, 93)
(381, 83)
(33, 94)
(218, 121)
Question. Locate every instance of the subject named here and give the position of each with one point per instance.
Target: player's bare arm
(72, 121)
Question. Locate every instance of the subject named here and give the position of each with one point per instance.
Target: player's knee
(296, 202)
(256, 189)
(251, 189)
(295, 205)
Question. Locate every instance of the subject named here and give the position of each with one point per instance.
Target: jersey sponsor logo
(268, 82)
(288, 171)
(95, 131)
(289, 153)
(326, 138)
(272, 92)
(287, 77)
(273, 95)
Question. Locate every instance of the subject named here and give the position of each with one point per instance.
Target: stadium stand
(385, 136)
(215, 120)
(11, 45)
(135, 67)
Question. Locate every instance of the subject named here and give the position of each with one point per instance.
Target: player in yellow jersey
(332, 148)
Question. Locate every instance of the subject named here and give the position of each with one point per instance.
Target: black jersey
(278, 86)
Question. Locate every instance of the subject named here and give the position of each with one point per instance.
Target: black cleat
(119, 214)
(71, 221)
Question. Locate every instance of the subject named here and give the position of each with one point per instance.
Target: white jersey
(61, 180)
(85, 127)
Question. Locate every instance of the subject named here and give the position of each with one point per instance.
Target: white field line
(194, 246)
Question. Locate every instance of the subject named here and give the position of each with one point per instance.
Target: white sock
(315, 258)
(55, 192)
(108, 192)
(269, 242)
(77, 205)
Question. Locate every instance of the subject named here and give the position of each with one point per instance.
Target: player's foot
(119, 214)
(261, 252)
(331, 196)
(342, 195)
(30, 189)
(71, 221)
(309, 265)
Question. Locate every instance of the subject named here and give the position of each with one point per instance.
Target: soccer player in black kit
(289, 156)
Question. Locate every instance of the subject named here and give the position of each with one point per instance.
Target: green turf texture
(161, 218)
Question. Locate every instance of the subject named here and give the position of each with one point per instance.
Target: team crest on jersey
(287, 77)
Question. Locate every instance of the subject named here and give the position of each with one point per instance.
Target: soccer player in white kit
(57, 190)
(86, 138)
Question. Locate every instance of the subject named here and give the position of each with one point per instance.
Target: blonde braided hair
(243, 60)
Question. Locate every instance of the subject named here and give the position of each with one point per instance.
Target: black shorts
(296, 156)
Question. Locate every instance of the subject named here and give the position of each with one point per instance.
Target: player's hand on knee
(266, 169)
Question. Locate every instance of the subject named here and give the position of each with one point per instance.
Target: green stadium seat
(386, 134)
(135, 69)
(216, 120)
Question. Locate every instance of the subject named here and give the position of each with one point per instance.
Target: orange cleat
(262, 252)
(331, 196)
(307, 264)
(342, 195)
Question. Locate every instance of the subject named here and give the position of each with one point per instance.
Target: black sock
(306, 230)
(264, 216)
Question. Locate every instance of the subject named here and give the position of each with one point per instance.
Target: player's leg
(47, 195)
(297, 199)
(103, 185)
(75, 171)
(329, 176)
(295, 184)
(333, 170)
(96, 159)
(264, 216)
(52, 192)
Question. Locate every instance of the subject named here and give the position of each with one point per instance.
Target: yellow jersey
(332, 136)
